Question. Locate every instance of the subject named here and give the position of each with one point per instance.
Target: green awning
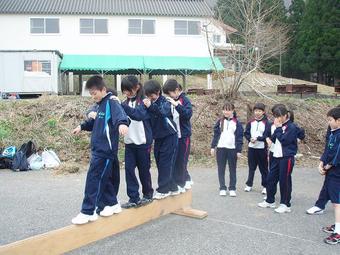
(138, 64)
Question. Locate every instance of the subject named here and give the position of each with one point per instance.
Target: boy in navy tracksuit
(330, 167)
(165, 136)
(182, 111)
(137, 143)
(284, 139)
(228, 138)
(257, 130)
(103, 176)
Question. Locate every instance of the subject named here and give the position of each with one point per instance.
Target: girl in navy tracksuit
(257, 130)
(165, 135)
(182, 111)
(137, 143)
(284, 141)
(228, 139)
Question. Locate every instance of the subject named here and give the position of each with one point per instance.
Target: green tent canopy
(110, 64)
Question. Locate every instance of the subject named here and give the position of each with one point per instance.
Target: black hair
(334, 113)
(95, 82)
(171, 85)
(131, 82)
(280, 110)
(259, 106)
(112, 90)
(152, 87)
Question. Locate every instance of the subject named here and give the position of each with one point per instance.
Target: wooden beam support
(72, 237)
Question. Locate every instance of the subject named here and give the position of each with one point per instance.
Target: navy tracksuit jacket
(165, 135)
(137, 149)
(102, 181)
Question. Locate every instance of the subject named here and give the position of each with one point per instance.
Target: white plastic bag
(50, 159)
(35, 162)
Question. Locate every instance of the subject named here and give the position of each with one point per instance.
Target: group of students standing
(272, 147)
(146, 117)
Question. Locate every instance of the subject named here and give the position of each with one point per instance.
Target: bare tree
(258, 38)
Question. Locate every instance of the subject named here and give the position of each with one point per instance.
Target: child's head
(131, 87)
(97, 88)
(281, 112)
(152, 89)
(259, 110)
(172, 88)
(228, 110)
(333, 117)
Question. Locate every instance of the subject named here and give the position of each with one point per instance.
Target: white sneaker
(314, 210)
(264, 191)
(181, 190)
(232, 193)
(82, 218)
(191, 182)
(223, 192)
(175, 193)
(264, 204)
(283, 209)
(159, 196)
(110, 210)
(247, 188)
(187, 185)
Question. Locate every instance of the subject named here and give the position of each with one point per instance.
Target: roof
(112, 64)
(33, 51)
(179, 8)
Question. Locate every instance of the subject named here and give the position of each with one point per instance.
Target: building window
(37, 67)
(186, 27)
(93, 26)
(44, 26)
(217, 38)
(141, 26)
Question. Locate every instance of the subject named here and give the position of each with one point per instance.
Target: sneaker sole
(287, 211)
(331, 243)
(328, 232)
(315, 213)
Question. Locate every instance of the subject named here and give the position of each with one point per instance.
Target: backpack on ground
(20, 162)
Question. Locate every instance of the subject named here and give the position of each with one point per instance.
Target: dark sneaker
(329, 229)
(130, 204)
(145, 201)
(333, 239)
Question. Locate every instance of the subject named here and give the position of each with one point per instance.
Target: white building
(160, 28)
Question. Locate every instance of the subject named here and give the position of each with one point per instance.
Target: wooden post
(72, 237)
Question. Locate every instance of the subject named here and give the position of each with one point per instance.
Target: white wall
(14, 79)
(15, 35)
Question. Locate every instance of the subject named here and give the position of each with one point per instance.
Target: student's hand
(253, 140)
(92, 115)
(239, 155)
(277, 122)
(269, 142)
(76, 131)
(172, 101)
(322, 170)
(123, 130)
(115, 98)
(147, 102)
(212, 152)
(327, 167)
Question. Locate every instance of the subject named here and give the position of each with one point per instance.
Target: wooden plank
(69, 238)
(193, 213)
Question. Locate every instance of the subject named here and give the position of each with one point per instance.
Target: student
(103, 176)
(257, 130)
(165, 135)
(182, 111)
(284, 139)
(137, 143)
(330, 167)
(92, 111)
(323, 198)
(228, 139)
